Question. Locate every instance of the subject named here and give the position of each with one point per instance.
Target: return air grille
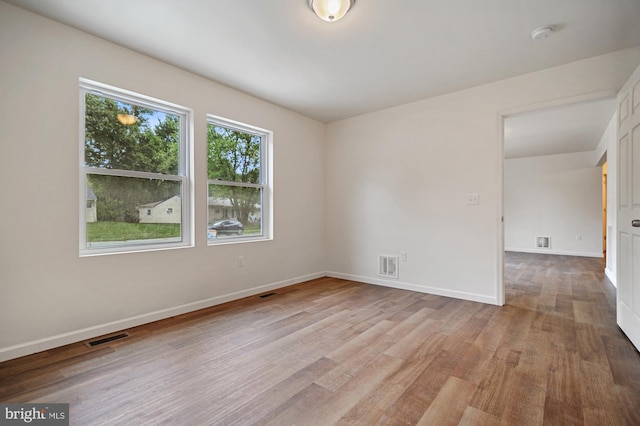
(543, 242)
(103, 340)
(388, 266)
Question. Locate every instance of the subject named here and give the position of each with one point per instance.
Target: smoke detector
(541, 32)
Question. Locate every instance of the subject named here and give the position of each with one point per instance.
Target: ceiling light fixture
(541, 32)
(331, 10)
(127, 119)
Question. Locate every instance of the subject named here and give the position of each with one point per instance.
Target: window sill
(237, 240)
(139, 248)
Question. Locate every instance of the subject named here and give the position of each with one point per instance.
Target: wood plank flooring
(338, 352)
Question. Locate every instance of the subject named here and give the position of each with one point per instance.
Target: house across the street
(222, 208)
(167, 211)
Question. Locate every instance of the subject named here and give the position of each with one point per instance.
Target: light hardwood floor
(337, 352)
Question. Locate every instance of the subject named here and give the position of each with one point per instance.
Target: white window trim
(266, 177)
(185, 169)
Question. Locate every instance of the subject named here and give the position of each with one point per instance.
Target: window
(134, 163)
(238, 188)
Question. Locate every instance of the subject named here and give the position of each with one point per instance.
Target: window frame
(184, 174)
(265, 184)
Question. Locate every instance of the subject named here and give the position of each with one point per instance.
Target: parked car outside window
(226, 227)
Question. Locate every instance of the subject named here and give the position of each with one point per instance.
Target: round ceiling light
(541, 32)
(331, 10)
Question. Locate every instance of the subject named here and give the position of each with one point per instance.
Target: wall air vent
(543, 242)
(388, 266)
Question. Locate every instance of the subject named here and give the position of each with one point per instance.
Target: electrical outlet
(473, 199)
(579, 237)
(240, 261)
(403, 256)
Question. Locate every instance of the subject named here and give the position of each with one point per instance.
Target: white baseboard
(40, 345)
(556, 252)
(612, 277)
(417, 288)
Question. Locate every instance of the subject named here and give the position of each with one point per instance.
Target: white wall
(397, 179)
(609, 139)
(48, 294)
(559, 196)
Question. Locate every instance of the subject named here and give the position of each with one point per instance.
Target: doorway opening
(554, 184)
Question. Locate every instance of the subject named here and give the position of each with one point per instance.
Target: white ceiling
(561, 130)
(383, 53)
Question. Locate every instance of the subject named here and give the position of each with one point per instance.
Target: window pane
(132, 210)
(234, 156)
(234, 211)
(148, 142)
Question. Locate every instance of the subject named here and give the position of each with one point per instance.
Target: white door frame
(512, 112)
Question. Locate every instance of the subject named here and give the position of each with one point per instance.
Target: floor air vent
(543, 242)
(262, 296)
(103, 340)
(388, 266)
